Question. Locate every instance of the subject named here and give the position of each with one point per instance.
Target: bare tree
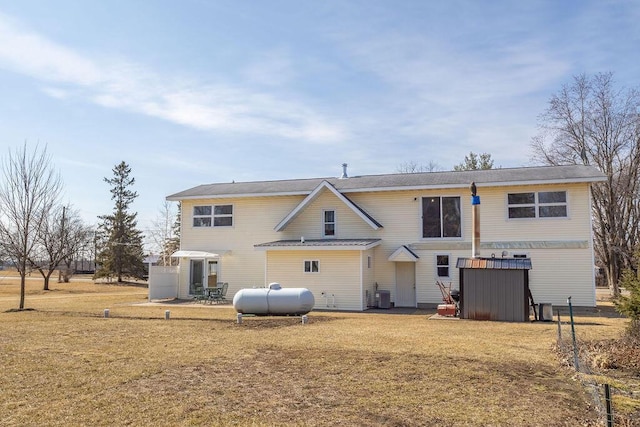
(62, 236)
(414, 167)
(164, 234)
(28, 192)
(591, 122)
(79, 239)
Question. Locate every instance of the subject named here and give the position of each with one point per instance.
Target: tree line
(38, 232)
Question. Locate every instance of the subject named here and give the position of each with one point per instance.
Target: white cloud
(27, 52)
(121, 84)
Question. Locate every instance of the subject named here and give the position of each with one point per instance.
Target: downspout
(593, 255)
(361, 280)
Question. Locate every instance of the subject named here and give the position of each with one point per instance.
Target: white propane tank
(274, 301)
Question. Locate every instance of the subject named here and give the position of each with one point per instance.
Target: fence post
(607, 400)
(559, 327)
(573, 334)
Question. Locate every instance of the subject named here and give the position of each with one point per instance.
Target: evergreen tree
(630, 305)
(121, 253)
(475, 162)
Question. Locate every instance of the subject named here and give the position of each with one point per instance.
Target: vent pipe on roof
(344, 171)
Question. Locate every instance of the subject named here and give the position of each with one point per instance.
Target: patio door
(197, 277)
(405, 284)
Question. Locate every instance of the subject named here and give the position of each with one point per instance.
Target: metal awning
(198, 254)
(495, 263)
(319, 245)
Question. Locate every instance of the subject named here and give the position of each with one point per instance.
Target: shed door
(405, 284)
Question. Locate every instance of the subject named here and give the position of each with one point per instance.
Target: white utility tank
(274, 301)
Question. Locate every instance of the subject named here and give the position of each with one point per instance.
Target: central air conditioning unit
(383, 299)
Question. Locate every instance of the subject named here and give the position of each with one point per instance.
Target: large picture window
(441, 217)
(213, 216)
(543, 204)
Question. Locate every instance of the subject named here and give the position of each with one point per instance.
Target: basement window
(542, 204)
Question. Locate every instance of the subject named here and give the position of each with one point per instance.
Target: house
(347, 238)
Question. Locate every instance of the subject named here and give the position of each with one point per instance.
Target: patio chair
(199, 293)
(221, 293)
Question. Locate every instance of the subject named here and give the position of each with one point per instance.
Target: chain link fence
(586, 363)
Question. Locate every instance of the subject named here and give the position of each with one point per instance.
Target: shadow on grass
(19, 310)
(248, 321)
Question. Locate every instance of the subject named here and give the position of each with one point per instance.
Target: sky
(193, 92)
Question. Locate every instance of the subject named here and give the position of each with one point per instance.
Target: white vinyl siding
(399, 212)
(339, 276)
(310, 223)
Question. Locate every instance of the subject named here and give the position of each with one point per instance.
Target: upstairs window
(223, 216)
(202, 216)
(543, 204)
(441, 217)
(329, 223)
(213, 216)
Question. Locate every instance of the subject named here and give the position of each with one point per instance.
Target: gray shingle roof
(425, 180)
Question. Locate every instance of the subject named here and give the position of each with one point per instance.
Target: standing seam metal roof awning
(495, 263)
(320, 245)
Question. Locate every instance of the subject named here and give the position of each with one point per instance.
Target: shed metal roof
(406, 181)
(495, 263)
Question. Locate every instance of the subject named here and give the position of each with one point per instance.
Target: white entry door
(405, 284)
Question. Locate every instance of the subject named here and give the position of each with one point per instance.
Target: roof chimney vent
(344, 171)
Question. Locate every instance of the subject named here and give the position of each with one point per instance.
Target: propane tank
(274, 300)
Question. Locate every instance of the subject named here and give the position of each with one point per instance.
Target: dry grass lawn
(62, 363)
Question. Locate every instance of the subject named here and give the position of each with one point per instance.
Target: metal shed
(494, 288)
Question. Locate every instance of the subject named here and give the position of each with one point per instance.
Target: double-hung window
(329, 223)
(442, 265)
(213, 216)
(541, 204)
(441, 217)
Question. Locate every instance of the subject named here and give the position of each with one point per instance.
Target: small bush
(630, 305)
